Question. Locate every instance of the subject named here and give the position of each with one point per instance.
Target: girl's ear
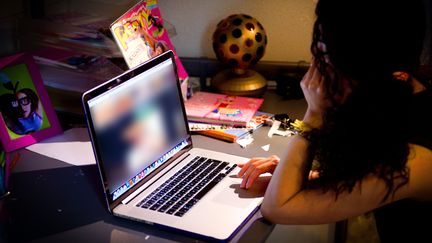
(346, 90)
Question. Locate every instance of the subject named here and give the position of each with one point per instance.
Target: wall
(288, 24)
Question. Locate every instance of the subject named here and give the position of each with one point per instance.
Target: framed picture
(26, 113)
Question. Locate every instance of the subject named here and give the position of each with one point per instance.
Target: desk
(66, 203)
(52, 201)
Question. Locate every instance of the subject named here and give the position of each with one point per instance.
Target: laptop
(148, 166)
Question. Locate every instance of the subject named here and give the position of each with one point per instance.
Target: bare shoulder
(420, 166)
(420, 155)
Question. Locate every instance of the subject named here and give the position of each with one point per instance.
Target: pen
(219, 135)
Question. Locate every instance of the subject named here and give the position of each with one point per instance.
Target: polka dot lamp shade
(239, 41)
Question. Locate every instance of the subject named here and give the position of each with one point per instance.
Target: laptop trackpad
(238, 197)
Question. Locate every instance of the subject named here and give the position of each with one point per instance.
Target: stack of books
(223, 116)
(73, 71)
(76, 51)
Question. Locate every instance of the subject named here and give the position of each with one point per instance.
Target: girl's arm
(287, 202)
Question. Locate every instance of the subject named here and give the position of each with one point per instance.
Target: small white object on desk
(266, 147)
(245, 141)
(73, 147)
(275, 130)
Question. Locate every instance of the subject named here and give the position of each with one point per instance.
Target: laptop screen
(139, 125)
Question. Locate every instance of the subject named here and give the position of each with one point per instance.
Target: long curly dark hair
(366, 41)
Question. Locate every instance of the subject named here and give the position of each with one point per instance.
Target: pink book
(221, 109)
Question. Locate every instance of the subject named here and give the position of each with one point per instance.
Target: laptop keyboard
(186, 187)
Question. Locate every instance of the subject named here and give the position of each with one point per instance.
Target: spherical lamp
(239, 42)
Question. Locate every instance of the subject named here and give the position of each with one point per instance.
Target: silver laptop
(148, 166)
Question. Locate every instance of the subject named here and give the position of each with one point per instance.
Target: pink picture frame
(27, 115)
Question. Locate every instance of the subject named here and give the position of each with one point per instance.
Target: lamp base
(242, 83)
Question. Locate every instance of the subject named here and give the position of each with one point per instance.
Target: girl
(368, 125)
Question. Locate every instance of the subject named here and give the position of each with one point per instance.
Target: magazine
(140, 35)
(221, 109)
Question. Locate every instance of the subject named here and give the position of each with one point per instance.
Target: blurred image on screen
(137, 122)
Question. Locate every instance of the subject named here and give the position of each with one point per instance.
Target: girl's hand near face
(313, 89)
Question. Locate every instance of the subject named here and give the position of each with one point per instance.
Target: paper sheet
(266, 147)
(73, 147)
